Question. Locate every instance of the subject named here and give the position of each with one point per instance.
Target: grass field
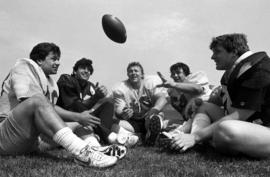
(139, 161)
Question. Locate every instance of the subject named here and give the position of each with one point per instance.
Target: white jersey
(140, 101)
(25, 79)
(179, 99)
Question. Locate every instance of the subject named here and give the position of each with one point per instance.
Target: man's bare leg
(207, 114)
(233, 136)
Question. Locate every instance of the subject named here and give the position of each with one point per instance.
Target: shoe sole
(155, 129)
(116, 151)
(92, 166)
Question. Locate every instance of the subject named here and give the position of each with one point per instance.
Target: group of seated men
(39, 114)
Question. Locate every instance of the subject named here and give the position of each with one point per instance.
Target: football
(114, 28)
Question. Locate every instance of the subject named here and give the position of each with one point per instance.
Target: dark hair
(41, 50)
(182, 66)
(135, 64)
(84, 62)
(231, 42)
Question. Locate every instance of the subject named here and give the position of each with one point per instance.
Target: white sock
(71, 142)
(124, 131)
(200, 121)
(112, 138)
(92, 141)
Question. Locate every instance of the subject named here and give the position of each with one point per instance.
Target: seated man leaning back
(27, 109)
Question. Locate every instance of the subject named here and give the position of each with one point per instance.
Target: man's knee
(38, 100)
(204, 108)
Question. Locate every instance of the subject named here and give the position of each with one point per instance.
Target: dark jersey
(249, 86)
(73, 91)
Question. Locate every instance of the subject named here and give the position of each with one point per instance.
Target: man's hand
(88, 120)
(165, 82)
(101, 91)
(181, 142)
(127, 113)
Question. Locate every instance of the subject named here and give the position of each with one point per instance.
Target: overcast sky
(159, 32)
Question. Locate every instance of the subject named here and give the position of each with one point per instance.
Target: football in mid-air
(114, 28)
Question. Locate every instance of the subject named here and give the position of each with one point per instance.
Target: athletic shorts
(15, 139)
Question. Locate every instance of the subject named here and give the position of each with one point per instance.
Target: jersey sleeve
(25, 81)
(201, 79)
(119, 98)
(151, 83)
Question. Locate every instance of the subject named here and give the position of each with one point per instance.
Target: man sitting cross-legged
(139, 104)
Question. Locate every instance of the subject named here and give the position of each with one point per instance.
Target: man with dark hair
(177, 66)
(246, 97)
(27, 109)
(186, 85)
(139, 104)
(41, 51)
(78, 94)
(185, 89)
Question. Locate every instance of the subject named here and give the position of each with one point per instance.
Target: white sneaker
(92, 158)
(112, 150)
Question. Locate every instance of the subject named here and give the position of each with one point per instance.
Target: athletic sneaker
(164, 140)
(112, 150)
(92, 158)
(154, 129)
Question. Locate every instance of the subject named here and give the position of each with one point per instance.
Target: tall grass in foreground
(140, 161)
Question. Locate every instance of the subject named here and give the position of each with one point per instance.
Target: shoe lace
(89, 152)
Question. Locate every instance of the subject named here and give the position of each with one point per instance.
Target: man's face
(178, 75)
(50, 64)
(134, 74)
(224, 60)
(83, 72)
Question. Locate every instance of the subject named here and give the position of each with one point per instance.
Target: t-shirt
(140, 101)
(24, 80)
